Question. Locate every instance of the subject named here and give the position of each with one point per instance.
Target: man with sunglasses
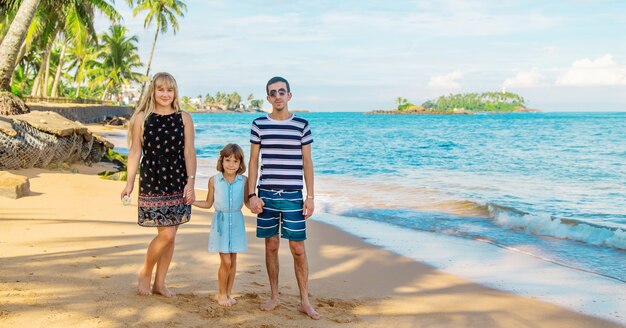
(284, 142)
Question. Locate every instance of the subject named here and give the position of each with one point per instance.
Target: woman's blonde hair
(147, 103)
(227, 151)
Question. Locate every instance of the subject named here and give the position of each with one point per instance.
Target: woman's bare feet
(163, 290)
(232, 300)
(270, 305)
(223, 300)
(310, 311)
(143, 284)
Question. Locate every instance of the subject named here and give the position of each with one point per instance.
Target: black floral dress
(163, 174)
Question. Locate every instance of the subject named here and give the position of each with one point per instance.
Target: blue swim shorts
(282, 208)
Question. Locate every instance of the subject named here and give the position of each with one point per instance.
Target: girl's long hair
(148, 103)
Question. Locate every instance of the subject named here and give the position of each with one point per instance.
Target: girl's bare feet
(163, 290)
(310, 311)
(223, 300)
(232, 300)
(143, 284)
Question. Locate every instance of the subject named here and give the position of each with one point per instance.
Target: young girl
(228, 192)
(164, 135)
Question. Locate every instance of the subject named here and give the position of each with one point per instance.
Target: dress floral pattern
(163, 174)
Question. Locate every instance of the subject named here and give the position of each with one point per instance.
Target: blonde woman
(161, 136)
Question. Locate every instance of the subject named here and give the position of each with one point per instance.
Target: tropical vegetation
(49, 48)
(163, 13)
(467, 102)
(221, 101)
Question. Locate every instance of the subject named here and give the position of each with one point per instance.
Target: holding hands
(256, 204)
(189, 193)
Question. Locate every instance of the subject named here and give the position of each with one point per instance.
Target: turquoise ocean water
(548, 185)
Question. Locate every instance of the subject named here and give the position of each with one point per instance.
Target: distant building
(197, 102)
(130, 95)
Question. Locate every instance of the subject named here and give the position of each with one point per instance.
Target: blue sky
(360, 55)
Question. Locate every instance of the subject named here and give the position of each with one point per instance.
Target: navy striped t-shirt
(281, 151)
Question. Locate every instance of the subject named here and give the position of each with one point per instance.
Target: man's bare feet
(270, 305)
(223, 300)
(143, 284)
(163, 291)
(232, 300)
(310, 311)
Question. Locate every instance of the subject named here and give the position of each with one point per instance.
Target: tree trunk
(46, 79)
(79, 64)
(156, 35)
(57, 76)
(20, 56)
(23, 84)
(104, 93)
(13, 40)
(78, 89)
(41, 76)
(35, 89)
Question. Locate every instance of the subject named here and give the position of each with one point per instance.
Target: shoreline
(68, 265)
(585, 300)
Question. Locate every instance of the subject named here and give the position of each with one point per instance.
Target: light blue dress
(228, 229)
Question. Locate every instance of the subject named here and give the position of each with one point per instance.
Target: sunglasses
(274, 93)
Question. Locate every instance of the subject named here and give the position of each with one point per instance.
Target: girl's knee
(226, 262)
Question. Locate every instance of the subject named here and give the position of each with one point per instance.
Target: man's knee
(297, 248)
(272, 244)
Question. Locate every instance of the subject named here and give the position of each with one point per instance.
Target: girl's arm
(246, 200)
(209, 197)
(134, 155)
(190, 159)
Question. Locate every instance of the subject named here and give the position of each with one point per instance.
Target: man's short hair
(274, 80)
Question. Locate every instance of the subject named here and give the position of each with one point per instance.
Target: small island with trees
(467, 103)
(221, 102)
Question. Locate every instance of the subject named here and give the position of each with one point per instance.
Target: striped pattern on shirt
(281, 151)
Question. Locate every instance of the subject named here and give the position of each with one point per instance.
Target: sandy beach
(69, 254)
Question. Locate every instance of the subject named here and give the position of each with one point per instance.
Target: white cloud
(603, 71)
(447, 81)
(525, 79)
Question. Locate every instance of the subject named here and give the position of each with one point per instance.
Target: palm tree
(82, 55)
(12, 41)
(250, 99)
(163, 13)
(119, 60)
(77, 19)
(9, 49)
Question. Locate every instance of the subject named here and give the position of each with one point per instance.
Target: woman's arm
(209, 197)
(190, 159)
(134, 154)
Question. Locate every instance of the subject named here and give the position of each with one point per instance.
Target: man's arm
(307, 162)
